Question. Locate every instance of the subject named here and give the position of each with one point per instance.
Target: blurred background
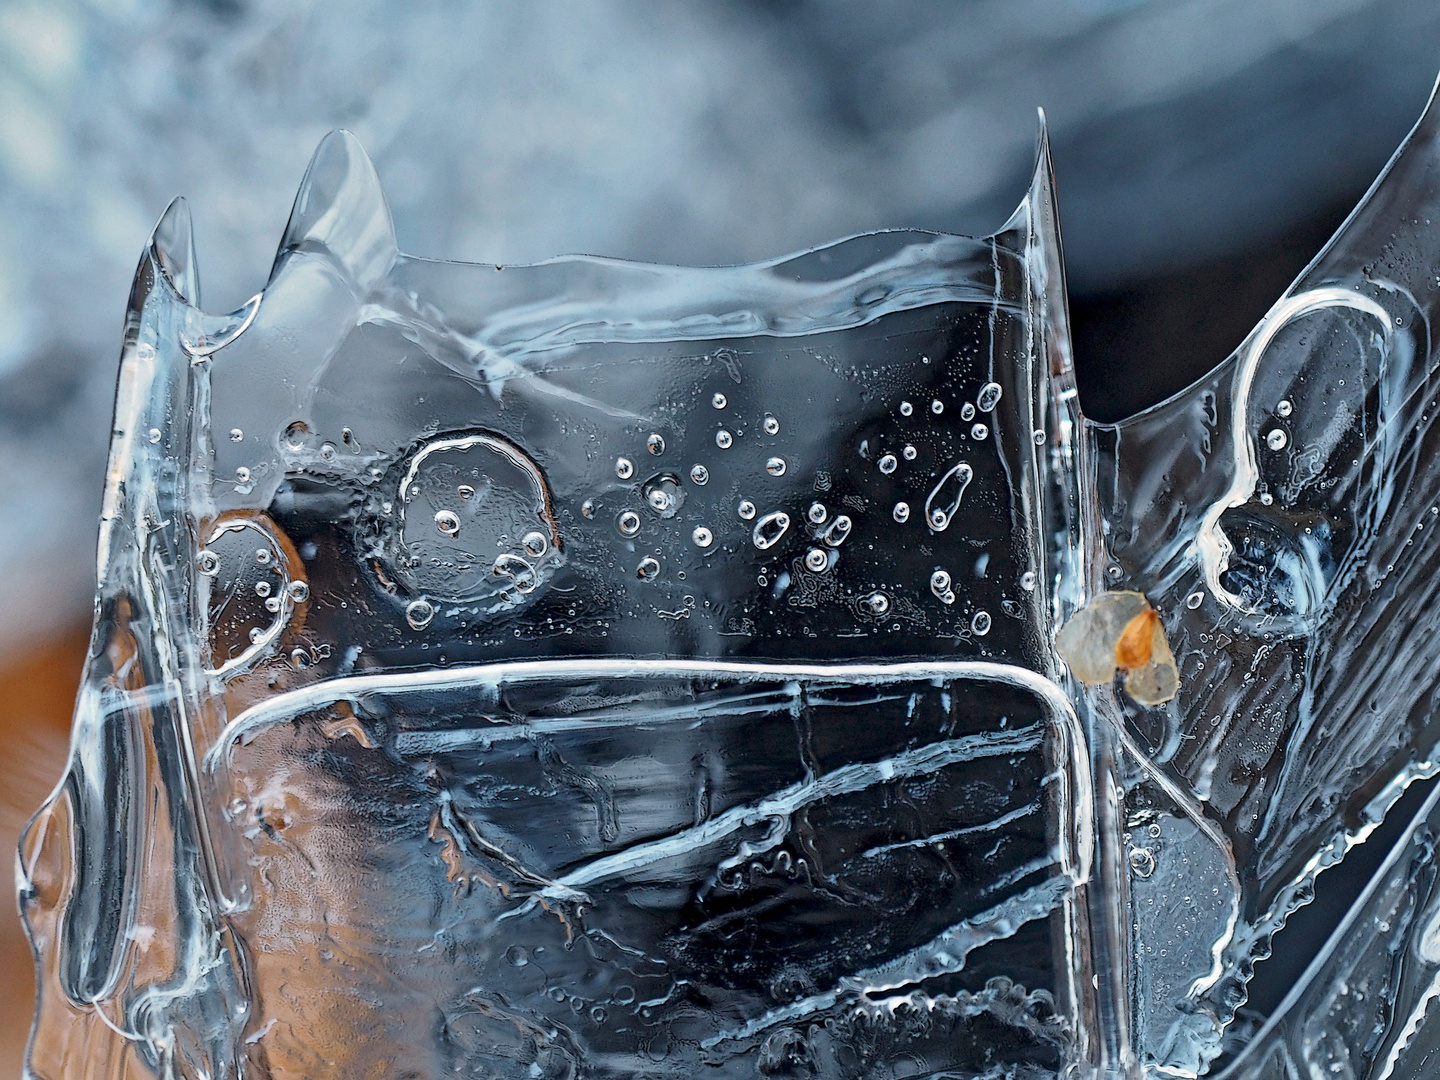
(1205, 150)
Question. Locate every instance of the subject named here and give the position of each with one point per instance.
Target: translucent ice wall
(601, 669)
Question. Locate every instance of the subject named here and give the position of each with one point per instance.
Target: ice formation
(593, 669)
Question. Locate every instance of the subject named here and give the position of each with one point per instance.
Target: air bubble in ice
(649, 569)
(242, 475)
(699, 474)
(236, 434)
(837, 531)
(723, 439)
(328, 451)
(262, 556)
(937, 406)
(418, 614)
(535, 544)
(262, 588)
(719, 401)
(980, 623)
(944, 498)
(909, 453)
(940, 586)
(299, 592)
(988, 397)
(1027, 581)
(1277, 439)
(447, 523)
(655, 444)
(154, 434)
(520, 573)
(877, 603)
(209, 562)
(746, 509)
(816, 560)
(587, 509)
(817, 512)
(1194, 600)
(901, 513)
(272, 604)
(771, 425)
(888, 464)
(628, 523)
(967, 411)
(775, 466)
(702, 536)
(624, 468)
(465, 491)
(1142, 862)
(906, 408)
(1284, 408)
(663, 494)
(979, 432)
(769, 529)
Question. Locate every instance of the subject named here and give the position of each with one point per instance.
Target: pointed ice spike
(173, 244)
(341, 209)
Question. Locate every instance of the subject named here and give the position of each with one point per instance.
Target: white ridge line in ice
(954, 834)
(943, 954)
(1212, 544)
(846, 780)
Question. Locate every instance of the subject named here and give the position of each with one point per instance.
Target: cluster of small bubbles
(775, 466)
(1142, 862)
(655, 444)
(723, 439)
(465, 491)
(299, 592)
(909, 453)
(702, 536)
(937, 406)
(877, 603)
(242, 474)
(979, 432)
(746, 509)
(719, 401)
(771, 425)
(535, 544)
(236, 434)
(154, 434)
(769, 529)
(1027, 581)
(816, 560)
(649, 569)
(1277, 439)
(262, 556)
(624, 468)
(1284, 408)
(817, 512)
(940, 586)
(418, 614)
(837, 532)
(628, 523)
(699, 475)
(901, 513)
(980, 623)
(1194, 600)
(209, 562)
(967, 411)
(587, 508)
(906, 408)
(447, 523)
(888, 464)
(988, 397)
(262, 588)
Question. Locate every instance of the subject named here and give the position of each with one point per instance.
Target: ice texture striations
(593, 669)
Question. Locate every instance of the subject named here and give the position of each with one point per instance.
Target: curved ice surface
(601, 670)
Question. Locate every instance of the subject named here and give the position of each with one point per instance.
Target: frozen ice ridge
(593, 669)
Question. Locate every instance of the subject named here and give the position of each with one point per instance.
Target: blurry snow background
(1185, 132)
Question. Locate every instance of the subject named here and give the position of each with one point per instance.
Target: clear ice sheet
(594, 669)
